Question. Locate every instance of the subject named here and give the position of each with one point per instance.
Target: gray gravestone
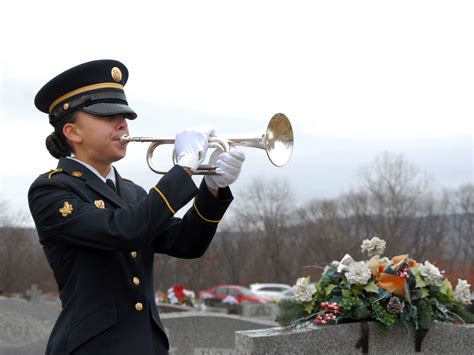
(442, 338)
(202, 333)
(34, 294)
(25, 326)
(265, 311)
(221, 310)
(172, 308)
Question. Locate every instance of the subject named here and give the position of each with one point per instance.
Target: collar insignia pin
(99, 204)
(76, 173)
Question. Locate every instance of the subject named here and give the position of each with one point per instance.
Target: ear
(70, 131)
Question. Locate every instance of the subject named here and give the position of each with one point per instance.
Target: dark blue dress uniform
(100, 242)
(100, 245)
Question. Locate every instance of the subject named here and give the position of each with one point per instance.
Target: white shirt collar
(110, 175)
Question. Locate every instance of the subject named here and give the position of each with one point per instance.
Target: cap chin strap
(85, 100)
(84, 89)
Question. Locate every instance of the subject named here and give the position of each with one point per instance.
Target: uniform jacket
(100, 246)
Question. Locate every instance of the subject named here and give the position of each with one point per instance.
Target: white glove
(191, 147)
(228, 166)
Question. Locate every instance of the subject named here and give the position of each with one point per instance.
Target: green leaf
(309, 307)
(325, 280)
(371, 287)
(319, 288)
(331, 271)
(344, 283)
(357, 290)
(424, 292)
(409, 313)
(329, 288)
(388, 320)
(289, 312)
(346, 293)
(447, 288)
(420, 283)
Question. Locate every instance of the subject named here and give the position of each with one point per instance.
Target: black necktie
(111, 184)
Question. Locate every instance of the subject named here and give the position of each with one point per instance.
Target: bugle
(277, 141)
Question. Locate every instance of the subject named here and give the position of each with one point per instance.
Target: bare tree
(22, 260)
(323, 232)
(462, 209)
(397, 203)
(393, 200)
(265, 209)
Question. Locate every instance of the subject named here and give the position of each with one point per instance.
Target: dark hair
(56, 142)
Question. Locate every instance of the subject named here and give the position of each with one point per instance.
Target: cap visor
(110, 109)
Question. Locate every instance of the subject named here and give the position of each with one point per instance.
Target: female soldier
(100, 240)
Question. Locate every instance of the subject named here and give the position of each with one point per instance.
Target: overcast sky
(356, 78)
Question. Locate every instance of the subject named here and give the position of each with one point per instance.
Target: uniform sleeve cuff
(176, 188)
(210, 208)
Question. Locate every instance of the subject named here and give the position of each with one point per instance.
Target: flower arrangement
(179, 295)
(390, 291)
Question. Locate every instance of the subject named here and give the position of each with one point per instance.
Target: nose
(121, 123)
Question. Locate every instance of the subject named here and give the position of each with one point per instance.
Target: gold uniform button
(138, 306)
(133, 254)
(136, 281)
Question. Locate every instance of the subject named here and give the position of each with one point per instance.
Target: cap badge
(99, 204)
(76, 173)
(116, 74)
(66, 209)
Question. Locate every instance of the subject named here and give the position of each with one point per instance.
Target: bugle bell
(277, 141)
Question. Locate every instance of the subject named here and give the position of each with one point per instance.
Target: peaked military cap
(95, 87)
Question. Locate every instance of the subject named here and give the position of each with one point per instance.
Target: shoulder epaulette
(128, 180)
(52, 172)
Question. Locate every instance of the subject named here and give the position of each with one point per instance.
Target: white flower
(430, 273)
(189, 293)
(358, 273)
(172, 297)
(374, 246)
(303, 291)
(344, 263)
(462, 292)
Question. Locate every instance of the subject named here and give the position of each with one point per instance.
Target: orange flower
(388, 281)
(377, 265)
(400, 259)
(392, 283)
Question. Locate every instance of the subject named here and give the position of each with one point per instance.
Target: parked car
(287, 295)
(273, 291)
(229, 293)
